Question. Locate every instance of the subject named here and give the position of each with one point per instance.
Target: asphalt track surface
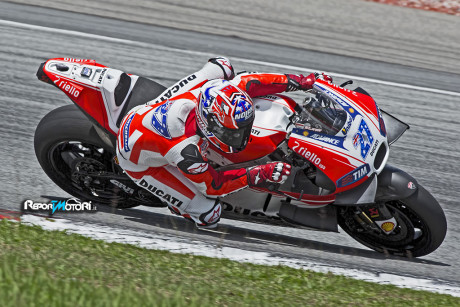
(429, 151)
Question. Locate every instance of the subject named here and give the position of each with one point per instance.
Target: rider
(162, 145)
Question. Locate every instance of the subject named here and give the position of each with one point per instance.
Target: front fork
(390, 185)
(376, 217)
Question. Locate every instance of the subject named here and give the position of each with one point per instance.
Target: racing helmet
(224, 114)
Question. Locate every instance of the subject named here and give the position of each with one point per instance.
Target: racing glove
(269, 175)
(323, 76)
(300, 82)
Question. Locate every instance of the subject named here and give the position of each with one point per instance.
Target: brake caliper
(382, 217)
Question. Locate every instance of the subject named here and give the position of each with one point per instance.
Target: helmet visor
(236, 138)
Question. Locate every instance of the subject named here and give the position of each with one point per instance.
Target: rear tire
(421, 229)
(66, 140)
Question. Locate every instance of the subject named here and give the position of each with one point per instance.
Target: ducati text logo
(69, 205)
(175, 88)
(374, 147)
(160, 193)
(99, 81)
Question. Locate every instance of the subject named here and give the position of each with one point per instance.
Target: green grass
(52, 268)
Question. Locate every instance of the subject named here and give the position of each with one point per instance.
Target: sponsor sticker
(388, 226)
(77, 60)
(126, 133)
(160, 193)
(69, 88)
(374, 212)
(122, 186)
(175, 88)
(363, 139)
(374, 147)
(326, 139)
(354, 176)
(308, 154)
(101, 76)
(159, 119)
(86, 72)
(347, 126)
(198, 168)
(244, 110)
(333, 140)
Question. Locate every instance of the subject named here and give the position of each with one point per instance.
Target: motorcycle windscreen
(394, 127)
(323, 115)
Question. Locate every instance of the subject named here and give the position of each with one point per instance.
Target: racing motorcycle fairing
(394, 127)
(394, 184)
(341, 135)
(103, 93)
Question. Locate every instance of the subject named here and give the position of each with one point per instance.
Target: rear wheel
(421, 226)
(73, 155)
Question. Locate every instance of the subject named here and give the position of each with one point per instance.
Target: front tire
(421, 229)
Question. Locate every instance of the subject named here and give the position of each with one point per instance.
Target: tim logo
(354, 176)
(159, 118)
(363, 138)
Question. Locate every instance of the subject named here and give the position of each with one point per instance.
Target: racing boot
(210, 218)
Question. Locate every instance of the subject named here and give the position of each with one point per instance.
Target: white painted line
(180, 245)
(283, 66)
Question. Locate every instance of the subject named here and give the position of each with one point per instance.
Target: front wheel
(421, 226)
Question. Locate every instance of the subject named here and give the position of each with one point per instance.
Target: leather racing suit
(160, 147)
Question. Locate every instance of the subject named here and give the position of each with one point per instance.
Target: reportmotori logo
(69, 205)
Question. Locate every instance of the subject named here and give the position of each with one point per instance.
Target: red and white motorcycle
(337, 141)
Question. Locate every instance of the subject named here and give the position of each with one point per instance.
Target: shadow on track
(252, 237)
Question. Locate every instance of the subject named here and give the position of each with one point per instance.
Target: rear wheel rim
(69, 157)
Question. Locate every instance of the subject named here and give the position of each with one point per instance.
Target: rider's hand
(323, 76)
(300, 82)
(268, 175)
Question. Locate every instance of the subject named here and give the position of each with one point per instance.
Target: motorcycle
(337, 141)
